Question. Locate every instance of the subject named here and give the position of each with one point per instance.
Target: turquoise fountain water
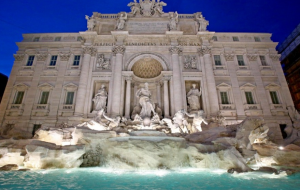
(104, 178)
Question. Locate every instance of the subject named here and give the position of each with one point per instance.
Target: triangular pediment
(272, 86)
(46, 85)
(21, 86)
(247, 86)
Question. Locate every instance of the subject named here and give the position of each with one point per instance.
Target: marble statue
(122, 21)
(197, 121)
(173, 21)
(293, 113)
(100, 99)
(135, 7)
(114, 122)
(158, 6)
(144, 96)
(102, 63)
(202, 22)
(90, 22)
(193, 98)
(179, 124)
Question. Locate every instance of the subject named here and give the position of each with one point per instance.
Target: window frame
(240, 61)
(17, 100)
(235, 38)
(76, 61)
(44, 99)
(30, 61)
(263, 62)
(257, 39)
(53, 60)
(217, 61)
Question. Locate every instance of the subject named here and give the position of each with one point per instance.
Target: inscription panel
(147, 27)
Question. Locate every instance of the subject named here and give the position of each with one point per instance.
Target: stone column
(205, 52)
(128, 95)
(158, 94)
(83, 81)
(111, 82)
(117, 81)
(166, 96)
(177, 83)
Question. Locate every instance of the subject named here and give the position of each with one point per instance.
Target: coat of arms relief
(147, 8)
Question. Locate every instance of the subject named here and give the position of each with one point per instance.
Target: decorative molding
(19, 57)
(64, 57)
(204, 50)
(42, 57)
(90, 50)
(274, 57)
(128, 78)
(252, 57)
(166, 78)
(118, 50)
(176, 50)
(229, 57)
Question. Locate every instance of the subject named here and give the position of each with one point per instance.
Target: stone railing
(41, 106)
(227, 106)
(252, 107)
(68, 107)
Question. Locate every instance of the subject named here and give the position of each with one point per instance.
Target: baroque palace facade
(56, 76)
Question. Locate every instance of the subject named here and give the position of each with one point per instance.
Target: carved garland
(19, 57)
(42, 57)
(274, 57)
(252, 57)
(64, 57)
(229, 57)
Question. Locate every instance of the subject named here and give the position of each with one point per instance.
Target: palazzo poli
(145, 63)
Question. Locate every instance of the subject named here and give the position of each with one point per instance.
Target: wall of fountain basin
(233, 148)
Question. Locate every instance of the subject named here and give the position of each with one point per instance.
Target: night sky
(278, 17)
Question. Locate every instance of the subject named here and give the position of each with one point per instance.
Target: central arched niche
(147, 67)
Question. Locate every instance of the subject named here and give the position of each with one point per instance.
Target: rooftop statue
(90, 22)
(144, 96)
(193, 98)
(121, 21)
(147, 7)
(173, 21)
(202, 22)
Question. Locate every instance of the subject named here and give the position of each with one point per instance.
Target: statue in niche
(102, 63)
(135, 7)
(144, 96)
(202, 22)
(190, 62)
(158, 7)
(193, 98)
(197, 121)
(173, 21)
(90, 22)
(100, 99)
(121, 21)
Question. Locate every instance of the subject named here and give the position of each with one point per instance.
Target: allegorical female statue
(144, 96)
(100, 99)
(193, 98)
(121, 21)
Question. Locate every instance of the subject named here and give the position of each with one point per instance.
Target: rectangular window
(44, 98)
(217, 59)
(19, 97)
(249, 97)
(274, 97)
(235, 38)
(57, 39)
(69, 99)
(30, 60)
(257, 39)
(263, 60)
(79, 38)
(224, 98)
(76, 60)
(214, 38)
(240, 60)
(53, 60)
(36, 39)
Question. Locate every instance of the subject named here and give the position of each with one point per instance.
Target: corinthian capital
(175, 50)
(274, 57)
(90, 50)
(118, 50)
(19, 57)
(204, 50)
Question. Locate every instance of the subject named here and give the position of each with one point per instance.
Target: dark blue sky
(278, 17)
